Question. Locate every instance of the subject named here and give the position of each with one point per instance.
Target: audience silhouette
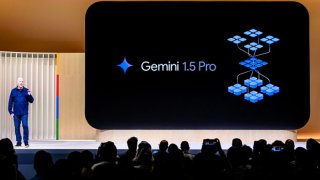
(8, 161)
(276, 160)
(43, 164)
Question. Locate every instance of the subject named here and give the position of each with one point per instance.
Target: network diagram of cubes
(254, 87)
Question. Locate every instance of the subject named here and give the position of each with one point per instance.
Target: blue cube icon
(237, 92)
(253, 82)
(270, 89)
(269, 92)
(247, 82)
(231, 89)
(253, 99)
(247, 96)
(264, 39)
(269, 85)
(253, 96)
(243, 89)
(253, 44)
(237, 41)
(253, 92)
(237, 89)
(269, 42)
(253, 85)
(275, 39)
(276, 89)
(259, 82)
(263, 89)
(237, 85)
(253, 63)
(260, 96)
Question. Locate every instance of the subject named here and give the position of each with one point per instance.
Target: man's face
(20, 82)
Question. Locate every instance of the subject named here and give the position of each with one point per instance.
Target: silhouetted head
(184, 146)
(278, 143)
(144, 156)
(263, 142)
(143, 145)
(43, 163)
(163, 146)
(7, 151)
(289, 145)
(6, 147)
(107, 152)
(260, 146)
(236, 142)
(86, 157)
(173, 148)
(132, 143)
(302, 157)
(312, 145)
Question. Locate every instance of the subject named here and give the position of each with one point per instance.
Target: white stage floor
(92, 144)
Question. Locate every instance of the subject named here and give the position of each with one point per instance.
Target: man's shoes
(27, 145)
(18, 145)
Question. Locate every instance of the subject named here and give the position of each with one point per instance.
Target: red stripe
(57, 89)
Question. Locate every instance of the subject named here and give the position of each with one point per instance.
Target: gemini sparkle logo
(124, 65)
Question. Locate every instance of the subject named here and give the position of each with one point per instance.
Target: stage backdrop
(73, 26)
(72, 122)
(38, 72)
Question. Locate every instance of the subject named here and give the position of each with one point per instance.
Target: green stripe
(57, 129)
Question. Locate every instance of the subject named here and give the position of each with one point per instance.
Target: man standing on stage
(18, 106)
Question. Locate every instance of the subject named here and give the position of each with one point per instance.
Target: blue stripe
(57, 108)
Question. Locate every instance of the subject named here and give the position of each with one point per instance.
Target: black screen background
(191, 31)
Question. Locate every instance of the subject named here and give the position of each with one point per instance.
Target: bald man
(18, 107)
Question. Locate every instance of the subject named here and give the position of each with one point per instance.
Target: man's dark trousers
(17, 122)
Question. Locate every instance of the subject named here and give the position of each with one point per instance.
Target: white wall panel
(38, 72)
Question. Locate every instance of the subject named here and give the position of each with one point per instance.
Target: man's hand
(29, 92)
(12, 115)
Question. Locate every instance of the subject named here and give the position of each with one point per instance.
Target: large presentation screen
(197, 65)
